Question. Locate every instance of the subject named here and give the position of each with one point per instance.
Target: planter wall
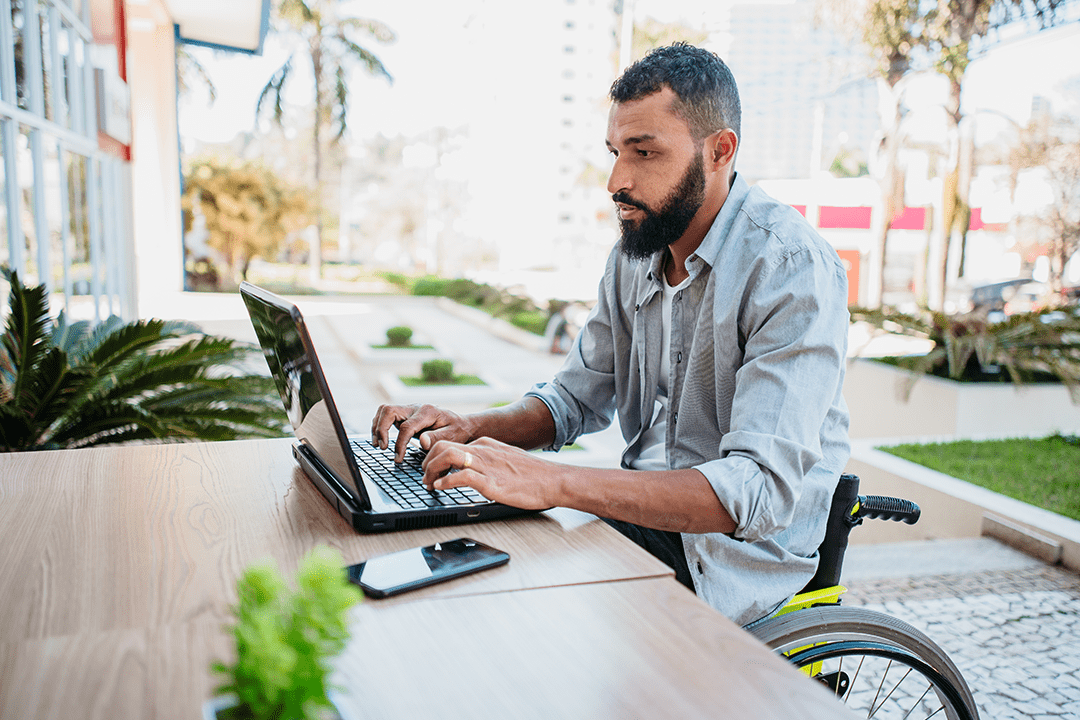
(953, 508)
(948, 409)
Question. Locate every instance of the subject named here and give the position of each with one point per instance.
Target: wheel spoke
(924, 692)
(891, 691)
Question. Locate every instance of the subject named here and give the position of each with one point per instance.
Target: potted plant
(72, 385)
(1017, 377)
(284, 641)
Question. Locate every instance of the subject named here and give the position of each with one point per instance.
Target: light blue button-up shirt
(758, 341)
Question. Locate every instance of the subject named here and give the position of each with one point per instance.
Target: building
(806, 97)
(91, 183)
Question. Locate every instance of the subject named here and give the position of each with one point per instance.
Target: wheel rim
(883, 681)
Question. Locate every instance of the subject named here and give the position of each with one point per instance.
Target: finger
(386, 416)
(461, 478)
(443, 457)
(414, 424)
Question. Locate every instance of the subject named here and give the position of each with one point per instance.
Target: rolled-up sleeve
(793, 312)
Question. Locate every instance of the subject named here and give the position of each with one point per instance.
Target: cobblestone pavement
(1014, 634)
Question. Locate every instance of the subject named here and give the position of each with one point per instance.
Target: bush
(535, 321)
(1023, 348)
(285, 639)
(437, 371)
(400, 336)
(430, 285)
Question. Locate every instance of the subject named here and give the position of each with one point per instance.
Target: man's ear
(722, 146)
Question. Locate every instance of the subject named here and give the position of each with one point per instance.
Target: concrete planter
(948, 409)
(494, 390)
(953, 508)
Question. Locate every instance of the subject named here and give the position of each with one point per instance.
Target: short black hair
(708, 99)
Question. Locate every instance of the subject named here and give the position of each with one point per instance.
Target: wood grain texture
(637, 649)
(138, 537)
(119, 565)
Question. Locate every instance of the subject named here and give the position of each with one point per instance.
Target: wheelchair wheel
(877, 665)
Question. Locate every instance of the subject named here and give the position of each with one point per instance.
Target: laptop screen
(299, 380)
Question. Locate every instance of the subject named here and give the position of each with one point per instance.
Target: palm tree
(67, 385)
(328, 39)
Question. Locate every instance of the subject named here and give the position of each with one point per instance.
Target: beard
(659, 228)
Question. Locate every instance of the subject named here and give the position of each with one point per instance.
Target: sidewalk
(1010, 622)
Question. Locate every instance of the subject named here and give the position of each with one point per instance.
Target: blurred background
(158, 146)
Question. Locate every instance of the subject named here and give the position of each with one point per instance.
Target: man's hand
(500, 472)
(427, 423)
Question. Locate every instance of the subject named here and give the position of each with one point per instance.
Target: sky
(437, 54)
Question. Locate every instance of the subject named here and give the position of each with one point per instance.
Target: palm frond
(366, 58)
(275, 87)
(378, 30)
(26, 334)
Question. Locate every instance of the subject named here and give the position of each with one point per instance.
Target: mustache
(623, 198)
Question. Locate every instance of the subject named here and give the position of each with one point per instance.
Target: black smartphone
(419, 567)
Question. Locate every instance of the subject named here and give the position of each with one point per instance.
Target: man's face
(658, 180)
(662, 226)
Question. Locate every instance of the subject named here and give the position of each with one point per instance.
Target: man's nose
(619, 179)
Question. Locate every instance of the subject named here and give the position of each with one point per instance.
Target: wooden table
(118, 566)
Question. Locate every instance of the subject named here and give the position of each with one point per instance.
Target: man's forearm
(672, 500)
(526, 424)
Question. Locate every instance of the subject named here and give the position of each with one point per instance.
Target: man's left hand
(498, 471)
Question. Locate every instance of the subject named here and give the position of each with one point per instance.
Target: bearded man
(719, 337)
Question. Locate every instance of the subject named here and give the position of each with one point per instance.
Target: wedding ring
(468, 460)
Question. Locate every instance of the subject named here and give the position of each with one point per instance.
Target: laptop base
(367, 522)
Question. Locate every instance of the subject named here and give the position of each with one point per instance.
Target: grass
(1042, 472)
(413, 381)
(410, 346)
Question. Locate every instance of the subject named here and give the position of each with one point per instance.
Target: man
(719, 336)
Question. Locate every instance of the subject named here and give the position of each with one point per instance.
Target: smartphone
(419, 567)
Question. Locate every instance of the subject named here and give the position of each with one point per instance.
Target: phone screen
(418, 567)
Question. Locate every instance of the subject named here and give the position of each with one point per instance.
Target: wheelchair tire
(874, 663)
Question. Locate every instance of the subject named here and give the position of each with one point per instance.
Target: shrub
(535, 321)
(431, 285)
(70, 385)
(1028, 346)
(437, 371)
(284, 639)
(400, 336)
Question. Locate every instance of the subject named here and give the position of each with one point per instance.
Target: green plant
(535, 321)
(1027, 346)
(437, 371)
(285, 639)
(67, 385)
(400, 336)
(1038, 471)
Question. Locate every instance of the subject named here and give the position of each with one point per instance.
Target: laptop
(358, 479)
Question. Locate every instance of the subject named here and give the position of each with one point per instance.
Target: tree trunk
(950, 199)
(315, 256)
(892, 181)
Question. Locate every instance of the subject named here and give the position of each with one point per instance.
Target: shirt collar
(714, 239)
(708, 249)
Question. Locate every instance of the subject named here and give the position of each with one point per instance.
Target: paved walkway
(1011, 623)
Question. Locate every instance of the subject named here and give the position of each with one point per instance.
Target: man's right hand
(427, 423)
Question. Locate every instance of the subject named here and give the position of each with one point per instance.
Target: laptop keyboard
(404, 482)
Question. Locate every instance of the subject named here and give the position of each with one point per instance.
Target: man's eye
(644, 153)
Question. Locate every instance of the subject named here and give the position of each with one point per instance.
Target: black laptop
(362, 481)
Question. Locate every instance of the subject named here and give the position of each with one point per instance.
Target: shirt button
(678, 358)
(637, 307)
(675, 418)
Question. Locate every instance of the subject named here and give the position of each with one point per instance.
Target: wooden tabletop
(118, 567)
(136, 537)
